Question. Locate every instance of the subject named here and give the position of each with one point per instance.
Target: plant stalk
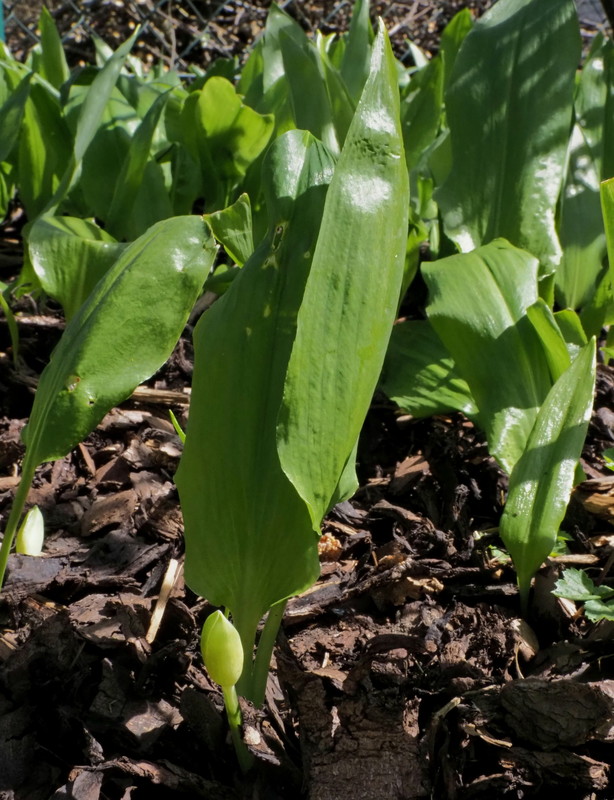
(264, 651)
(233, 712)
(21, 495)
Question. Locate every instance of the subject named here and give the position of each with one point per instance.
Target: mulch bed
(405, 672)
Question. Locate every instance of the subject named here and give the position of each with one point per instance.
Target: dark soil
(406, 672)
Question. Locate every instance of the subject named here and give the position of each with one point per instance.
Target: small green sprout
(31, 534)
(222, 651)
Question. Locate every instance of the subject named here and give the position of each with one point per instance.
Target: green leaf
(580, 223)
(488, 334)
(596, 610)
(310, 100)
(509, 106)
(249, 540)
(357, 53)
(232, 227)
(101, 167)
(255, 322)
(351, 296)
(452, 37)
(120, 336)
(91, 114)
(575, 584)
(421, 111)
(419, 375)
(44, 150)
(53, 66)
(120, 217)
(542, 480)
(580, 227)
(69, 256)
(600, 311)
(225, 135)
(11, 116)
(555, 347)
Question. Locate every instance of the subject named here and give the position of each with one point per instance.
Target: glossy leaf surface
(69, 256)
(145, 298)
(489, 336)
(232, 227)
(249, 538)
(509, 107)
(542, 480)
(351, 296)
(419, 374)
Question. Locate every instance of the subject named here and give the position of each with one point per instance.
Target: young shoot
(222, 651)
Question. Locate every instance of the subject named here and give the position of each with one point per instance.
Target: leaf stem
(264, 652)
(233, 711)
(21, 495)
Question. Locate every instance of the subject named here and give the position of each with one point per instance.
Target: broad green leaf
(101, 168)
(351, 296)
(597, 609)
(600, 311)
(124, 331)
(44, 150)
(310, 100)
(357, 53)
(97, 98)
(555, 347)
(542, 479)
(570, 325)
(509, 107)
(580, 223)
(419, 375)
(341, 103)
(580, 226)
(452, 37)
(53, 66)
(235, 133)
(69, 256)
(225, 135)
(421, 111)
(575, 584)
(91, 113)
(11, 115)
(249, 539)
(232, 227)
(120, 218)
(488, 334)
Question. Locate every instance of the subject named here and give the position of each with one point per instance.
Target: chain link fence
(200, 31)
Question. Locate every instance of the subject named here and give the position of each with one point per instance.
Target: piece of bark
(82, 785)
(364, 748)
(553, 714)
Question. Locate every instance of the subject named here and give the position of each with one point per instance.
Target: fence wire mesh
(199, 31)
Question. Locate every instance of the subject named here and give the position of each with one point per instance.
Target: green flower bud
(31, 534)
(222, 650)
